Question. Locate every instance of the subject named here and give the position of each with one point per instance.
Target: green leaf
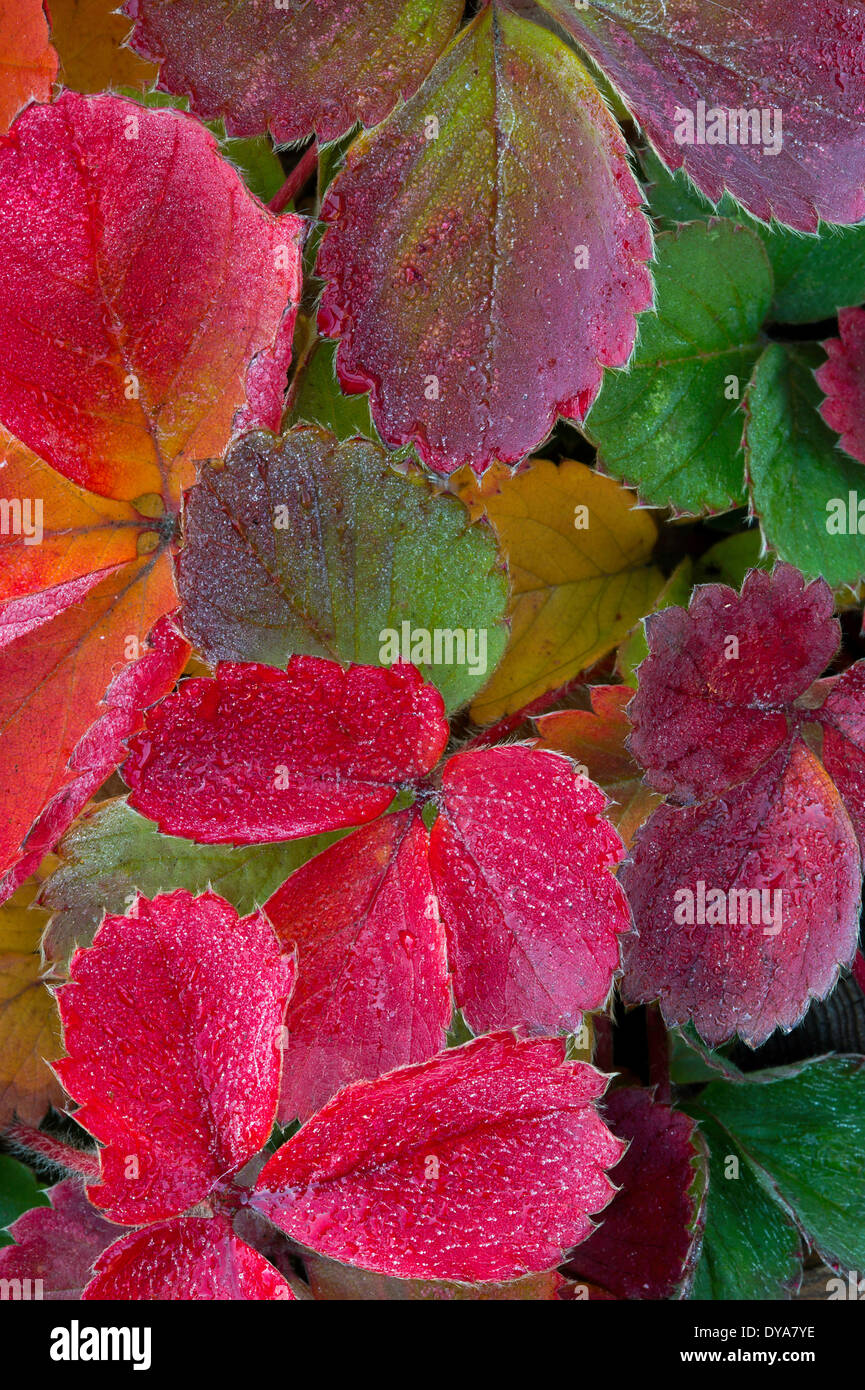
(670, 425)
(112, 853)
(319, 401)
(635, 648)
(729, 560)
(19, 1191)
(815, 275)
(751, 1248)
(802, 1130)
(796, 469)
(307, 545)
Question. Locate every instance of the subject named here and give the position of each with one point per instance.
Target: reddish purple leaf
(293, 69)
(522, 859)
(843, 380)
(714, 690)
(747, 905)
(649, 1238)
(172, 1022)
(97, 754)
(372, 982)
(261, 754)
(843, 719)
(798, 66)
(482, 1164)
(193, 1258)
(57, 1244)
(485, 269)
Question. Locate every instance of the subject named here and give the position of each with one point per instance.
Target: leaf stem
(35, 1142)
(297, 179)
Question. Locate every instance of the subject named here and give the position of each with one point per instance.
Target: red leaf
(172, 1022)
(714, 690)
(261, 754)
(843, 719)
(474, 294)
(195, 1258)
(843, 380)
(785, 831)
(296, 70)
(133, 261)
(482, 1164)
(372, 986)
(58, 1244)
(649, 1237)
(59, 651)
(801, 60)
(521, 859)
(101, 748)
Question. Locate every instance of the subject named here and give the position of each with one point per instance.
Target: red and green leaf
(801, 61)
(466, 262)
(58, 1244)
(293, 70)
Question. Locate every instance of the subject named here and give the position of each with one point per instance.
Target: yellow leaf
(90, 41)
(578, 552)
(29, 1024)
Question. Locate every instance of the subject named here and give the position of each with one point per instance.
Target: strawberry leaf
(29, 61)
(671, 425)
(302, 544)
(595, 740)
(482, 1164)
(90, 38)
(713, 693)
(29, 1030)
(745, 906)
(649, 1239)
(131, 365)
(331, 1281)
(751, 1247)
(58, 1244)
(119, 372)
(112, 853)
(463, 272)
(172, 1024)
(539, 945)
(63, 791)
(800, 63)
(191, 1257)
(803, 1130)
(260, 754)
(843, 380)
(372, 987)
(318, 68)
(843, 720)
(578, 551)
(800, 481)
(814, 275)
